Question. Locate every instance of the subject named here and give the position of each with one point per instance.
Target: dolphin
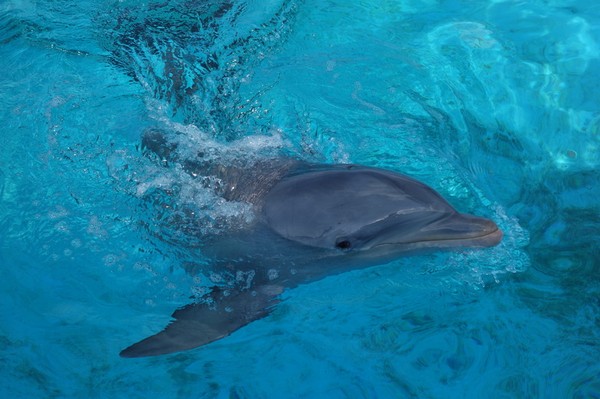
(312, 221)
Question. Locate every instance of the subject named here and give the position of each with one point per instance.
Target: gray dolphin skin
(313, 221)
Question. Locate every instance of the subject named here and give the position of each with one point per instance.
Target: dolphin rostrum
(313, 221)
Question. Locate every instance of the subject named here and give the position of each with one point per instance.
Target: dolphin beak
(448, 231)
(464, 230)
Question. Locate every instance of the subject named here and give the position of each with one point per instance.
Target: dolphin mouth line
(494, 237)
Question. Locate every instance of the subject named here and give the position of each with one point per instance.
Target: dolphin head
(357, 209)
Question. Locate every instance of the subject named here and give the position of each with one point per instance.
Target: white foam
(480, 266)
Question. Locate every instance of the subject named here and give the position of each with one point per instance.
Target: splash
(479, 268)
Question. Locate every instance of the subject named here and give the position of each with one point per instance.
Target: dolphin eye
(343, 244)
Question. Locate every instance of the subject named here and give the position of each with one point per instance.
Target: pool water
(495, 104)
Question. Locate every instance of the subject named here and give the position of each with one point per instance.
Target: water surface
(493, 103)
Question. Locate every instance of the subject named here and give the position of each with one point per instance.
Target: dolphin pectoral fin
(198, 324)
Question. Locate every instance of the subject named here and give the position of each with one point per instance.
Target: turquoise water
(496, 104)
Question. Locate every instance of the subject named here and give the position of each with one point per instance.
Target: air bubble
(272, 274)
(245, 277)
(200, 291)
(109, 260)
(215, 278)
(62, 227)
